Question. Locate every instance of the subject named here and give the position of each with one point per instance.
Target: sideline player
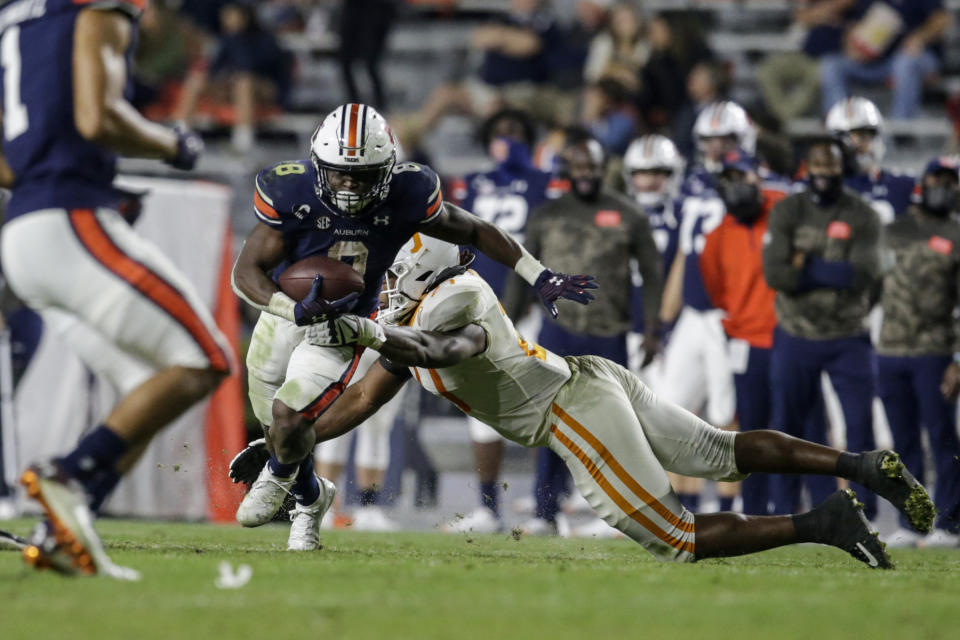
(67, 253)
(858, 124)
(352, 201)
(503, 196)
(615, 434)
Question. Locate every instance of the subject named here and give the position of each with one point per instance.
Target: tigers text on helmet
(653, 153)
(419, 264)
(858, 114)
(726, 118)
(355, 142)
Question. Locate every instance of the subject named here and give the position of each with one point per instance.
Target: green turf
(424, 585)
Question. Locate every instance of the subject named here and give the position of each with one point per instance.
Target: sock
(307, 488)
(490, 497)
(726, 503)
(282, 470)
(848, 465)
(807, 527)
(98, 451)
(690, 500)
(369, 497)
(101, 487)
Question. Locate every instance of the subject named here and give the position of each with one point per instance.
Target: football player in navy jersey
(859, 124)
(351, 200)
(68, 253)
(503, 196)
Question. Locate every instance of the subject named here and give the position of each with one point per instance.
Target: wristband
(528, 267)
(281, 305)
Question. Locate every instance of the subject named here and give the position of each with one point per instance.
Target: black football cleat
(844, 526)
(245, 468)
(884, 474)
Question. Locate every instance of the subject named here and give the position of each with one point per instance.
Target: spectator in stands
(161, 60)
(364, 29)
(588, 228)
(249, 66)
(790, 81)
(519, 50)
(609, 114)
(821, 256)
(896, 41)
(732, 268)
(620, 50)
(676, 46)
(918, 377)
(707, 83)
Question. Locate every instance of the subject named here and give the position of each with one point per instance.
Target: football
(339, 278)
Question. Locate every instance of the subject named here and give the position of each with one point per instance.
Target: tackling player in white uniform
(614, 433)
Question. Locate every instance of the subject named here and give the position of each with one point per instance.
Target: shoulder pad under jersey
(455, 303)
(415, 192)
(278, 187)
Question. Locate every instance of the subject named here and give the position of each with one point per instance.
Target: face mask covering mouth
(941, 199)
(742, 200)
(826, 189)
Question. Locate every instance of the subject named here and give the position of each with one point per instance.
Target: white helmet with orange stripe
(420, 263)
(858, 122)
(354, 152)
(653, 154)
(725, 119)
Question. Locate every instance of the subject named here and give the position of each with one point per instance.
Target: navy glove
(189, 148)
(552, 286)
(313, 308)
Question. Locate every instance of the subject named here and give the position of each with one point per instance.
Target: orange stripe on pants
(101, 246)
(632, 512)
(622, 473)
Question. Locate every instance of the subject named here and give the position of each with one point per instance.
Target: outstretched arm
(361, 400)
(460, 227)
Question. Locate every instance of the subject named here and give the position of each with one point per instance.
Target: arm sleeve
(710, 269)
(779, 273)
(648, 260)
(865, 253)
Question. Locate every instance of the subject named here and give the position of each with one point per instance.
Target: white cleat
(65, 505)
(597, 528)
(372, 518)
(539, 527)
(265, 498)
(305, 530)
(903, 538)
(480, 520)
(940, 539)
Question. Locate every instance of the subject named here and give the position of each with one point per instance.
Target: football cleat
(265, 498)
(480, 520)
(597, 528)
(884, 474)
(246, 466)
(70, 527)
(903, 538)
(845, 527)
(305, 527)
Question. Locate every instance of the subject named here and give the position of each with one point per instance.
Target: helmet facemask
(374, 182)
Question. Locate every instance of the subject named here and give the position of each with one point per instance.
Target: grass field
(427, 585)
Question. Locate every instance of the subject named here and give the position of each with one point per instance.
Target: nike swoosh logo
(871, 560)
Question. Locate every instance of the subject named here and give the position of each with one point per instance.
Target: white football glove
(344, 330)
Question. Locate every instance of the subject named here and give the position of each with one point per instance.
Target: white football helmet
(418, 265)
(355, 139)
(726, 118)
(653, 153)
(851, 114)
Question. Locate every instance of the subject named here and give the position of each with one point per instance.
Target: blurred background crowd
(473, 87)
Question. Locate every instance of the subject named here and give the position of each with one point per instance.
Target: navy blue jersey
(665, 225)
(52, 164)
(888, 193)
(286, 199)
(697, 181)
(505, 197)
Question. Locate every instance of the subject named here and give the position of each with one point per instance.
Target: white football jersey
(512, 383)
